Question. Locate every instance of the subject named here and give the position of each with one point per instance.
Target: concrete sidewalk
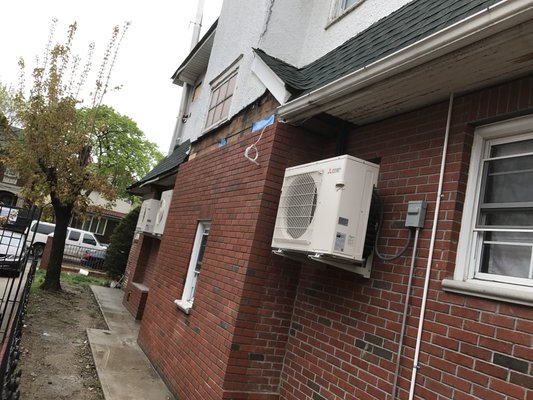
(124, 370)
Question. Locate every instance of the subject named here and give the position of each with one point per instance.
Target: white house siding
(301, 41)
(243, 26)
(233, 39)
(119, 205)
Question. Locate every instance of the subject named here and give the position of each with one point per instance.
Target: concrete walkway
(124, 370)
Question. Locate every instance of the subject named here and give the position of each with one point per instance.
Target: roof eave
(187, 71)
(481, 25)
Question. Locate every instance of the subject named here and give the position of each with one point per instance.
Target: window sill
(214, 126)
(141, 287)
(491, 290)
(183, 305)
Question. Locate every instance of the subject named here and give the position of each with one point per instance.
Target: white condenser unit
(324, 210)
(162, 213)
(147, 215)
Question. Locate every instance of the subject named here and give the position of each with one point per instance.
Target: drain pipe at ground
(430, 256)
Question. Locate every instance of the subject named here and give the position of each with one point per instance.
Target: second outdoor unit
(324, 209)
(147, 215)
(162, 213)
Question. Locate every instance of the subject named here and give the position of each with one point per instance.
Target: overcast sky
(156, 43)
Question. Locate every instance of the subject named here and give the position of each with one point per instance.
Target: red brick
(335, 335)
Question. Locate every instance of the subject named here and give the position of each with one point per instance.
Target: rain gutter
(493, 19)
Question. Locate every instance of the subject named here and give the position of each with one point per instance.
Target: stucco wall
(239, 28)
(300, 31)
(296, 31)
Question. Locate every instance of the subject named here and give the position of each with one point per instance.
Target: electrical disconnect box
(416, 213)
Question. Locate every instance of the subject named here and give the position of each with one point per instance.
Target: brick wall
(139, 273)
(266, 328)
(345, 330)
(232, 345)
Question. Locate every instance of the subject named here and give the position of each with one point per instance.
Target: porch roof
(161, 174)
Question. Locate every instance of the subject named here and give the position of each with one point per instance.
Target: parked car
(76, 242)
(12, 251)
(93, 258)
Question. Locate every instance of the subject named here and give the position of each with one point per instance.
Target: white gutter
(494, 19)
(431, 247)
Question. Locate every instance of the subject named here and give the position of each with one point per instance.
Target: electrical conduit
(404, 316)
(430, 256)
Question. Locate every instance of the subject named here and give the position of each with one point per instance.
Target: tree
(122, 152)
(7, 112)
(63, 153)
(120, 244)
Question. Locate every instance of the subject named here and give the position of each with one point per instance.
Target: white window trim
(187, 298)
(463, 279)
(214, 84)
(338, 10)
(102, 223)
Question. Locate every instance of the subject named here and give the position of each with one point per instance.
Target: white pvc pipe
(430, 257)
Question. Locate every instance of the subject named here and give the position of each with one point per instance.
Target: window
(221, 95)
(342, 6)
(10, 176)
(96, 225)
(195, 267)
(44, 229)
(100, 228)
(496, 241)
(74, 235)
(89, 239)
(196, 91)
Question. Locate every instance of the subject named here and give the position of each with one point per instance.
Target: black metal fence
(83, 257)
(17, 269)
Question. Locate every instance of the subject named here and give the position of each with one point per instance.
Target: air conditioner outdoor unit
(162, 213)
(323, 212)
(147, 216)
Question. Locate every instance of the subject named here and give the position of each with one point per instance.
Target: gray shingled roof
(407, 25)
(167, 164)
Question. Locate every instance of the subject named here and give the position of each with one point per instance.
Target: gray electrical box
(416, 213)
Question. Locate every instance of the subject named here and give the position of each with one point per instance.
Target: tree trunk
(53, 273)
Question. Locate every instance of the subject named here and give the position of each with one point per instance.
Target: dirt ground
(56, 359)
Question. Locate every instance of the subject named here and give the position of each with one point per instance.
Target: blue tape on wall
(262, 123)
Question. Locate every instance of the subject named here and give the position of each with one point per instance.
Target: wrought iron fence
(84, 257)
(17, 269)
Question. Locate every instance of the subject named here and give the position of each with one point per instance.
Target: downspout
(185, 94)
(430, 256)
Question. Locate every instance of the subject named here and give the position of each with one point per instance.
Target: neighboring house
(439, 95)
(101, 218)
(9, 184)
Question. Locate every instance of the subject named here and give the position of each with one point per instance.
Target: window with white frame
(222, 90)
(341, 6)
(195, 266)
(10, 176)
(496, 241)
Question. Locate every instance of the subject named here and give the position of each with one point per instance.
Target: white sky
(156, 43)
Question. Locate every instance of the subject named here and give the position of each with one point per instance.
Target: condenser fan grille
(298, 205)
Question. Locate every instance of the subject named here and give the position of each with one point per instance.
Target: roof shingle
(407, 25)
(166, 165)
